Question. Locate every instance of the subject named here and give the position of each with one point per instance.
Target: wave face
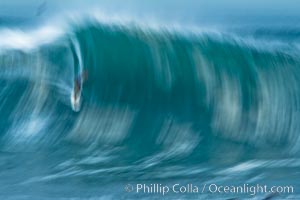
(158, 104)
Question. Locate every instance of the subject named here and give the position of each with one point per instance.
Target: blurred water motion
(161, 104)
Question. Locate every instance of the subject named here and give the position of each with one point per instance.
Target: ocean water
(163, 104)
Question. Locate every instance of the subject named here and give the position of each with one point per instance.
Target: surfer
(78, 82)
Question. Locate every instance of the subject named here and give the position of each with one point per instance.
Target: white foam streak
(19, 39)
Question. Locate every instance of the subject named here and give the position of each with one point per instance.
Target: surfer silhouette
(78, 82)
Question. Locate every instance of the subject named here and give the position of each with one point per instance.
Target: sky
(188, 11)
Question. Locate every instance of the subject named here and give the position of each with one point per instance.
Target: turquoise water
(162, 105)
